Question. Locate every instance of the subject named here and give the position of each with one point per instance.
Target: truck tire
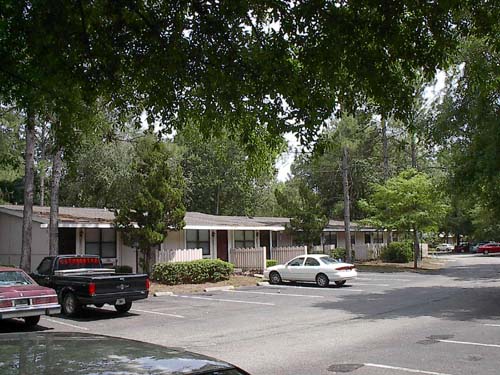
(70, 305)
(123, 308)
(32, 321)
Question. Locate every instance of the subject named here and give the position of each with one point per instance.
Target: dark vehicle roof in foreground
(81, 353)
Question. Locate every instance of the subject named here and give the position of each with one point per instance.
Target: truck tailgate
(113, 284)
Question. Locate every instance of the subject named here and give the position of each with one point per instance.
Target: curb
(160, 294)
(258, 275)
(219, 288)
(263, 283)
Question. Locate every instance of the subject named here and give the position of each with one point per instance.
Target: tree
(155, 204)
(223, 176)
(407, 202)
(465, 123)
(305, 209)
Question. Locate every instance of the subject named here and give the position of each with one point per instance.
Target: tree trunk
(347, 202)
(385, 154)
(43, 146)
(416, 248)
(54, 203)
(29, 177)
(385, 148)
(413, 146)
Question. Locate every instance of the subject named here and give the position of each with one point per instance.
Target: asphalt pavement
(440, 323)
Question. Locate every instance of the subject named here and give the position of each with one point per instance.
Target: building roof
(78, 217)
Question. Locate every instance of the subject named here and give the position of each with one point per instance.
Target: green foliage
(155, 204)
(339, 253)
(407, 201)
(225, 177)
(194, 272)
(397, 252)
(465, 123)
(123, 269)
(305, 209)
(271, 262)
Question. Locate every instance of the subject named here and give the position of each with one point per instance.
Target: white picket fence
(369, 251)
(284, 254)
(248, 258)
(322, 249)
(178, 255)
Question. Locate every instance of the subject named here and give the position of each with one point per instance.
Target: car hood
(14, 291)
(61, 352)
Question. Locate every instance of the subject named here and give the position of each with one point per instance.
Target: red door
(222, 245)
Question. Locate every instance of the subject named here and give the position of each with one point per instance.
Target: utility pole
(347, 202)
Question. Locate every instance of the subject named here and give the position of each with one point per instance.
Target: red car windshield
(78, 262)
(9, 278)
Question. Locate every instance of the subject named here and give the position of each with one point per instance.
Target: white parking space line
(491, 325)
(226, 300)
(380, 279)
(312, 288)
(369, 284)
(470, 343)
(275, 294)
(404, 369)
(158, 313)
(65, 324)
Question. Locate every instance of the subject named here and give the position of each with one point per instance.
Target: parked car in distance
(22, 297)
(474, 247)
(462, 247)
(444, 247)
(81, 280)
(82, 353)
(489, 248)
(318, 268)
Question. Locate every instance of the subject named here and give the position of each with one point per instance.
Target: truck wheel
(123, 308)
(32, 321)
(70, 305)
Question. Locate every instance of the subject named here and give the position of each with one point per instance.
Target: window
(368, 238)
(45, 266)
(311, 262)
(100, 242)
(244, 239)
(330, 238)
(296, 262)
(274, 239)
(353, 239)
(198, 239)
(378, 237)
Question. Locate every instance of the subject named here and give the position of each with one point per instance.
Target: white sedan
(321, 269)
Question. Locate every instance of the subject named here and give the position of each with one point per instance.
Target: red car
(22, 297)
(489, 248)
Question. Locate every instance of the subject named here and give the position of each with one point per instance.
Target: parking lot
(382, 323)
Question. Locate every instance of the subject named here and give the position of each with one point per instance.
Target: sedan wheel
(322, 280)
(274, 278)
(340, 282)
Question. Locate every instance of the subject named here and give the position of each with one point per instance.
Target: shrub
(271, 262)
(397, 252)
(123, 269)
(341, 253)
(194, 272)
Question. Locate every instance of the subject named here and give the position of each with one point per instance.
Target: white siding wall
(175, 240)
(11, 238)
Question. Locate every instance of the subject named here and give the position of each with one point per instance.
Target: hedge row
(271, 262)
(193, 272)
(341, 253)
(397, 252)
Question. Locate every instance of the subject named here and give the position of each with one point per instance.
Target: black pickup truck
(81, 280)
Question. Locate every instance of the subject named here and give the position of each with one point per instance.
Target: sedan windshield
(328, 260)
(8, 278)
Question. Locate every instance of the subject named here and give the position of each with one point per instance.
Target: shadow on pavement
(17, 325)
